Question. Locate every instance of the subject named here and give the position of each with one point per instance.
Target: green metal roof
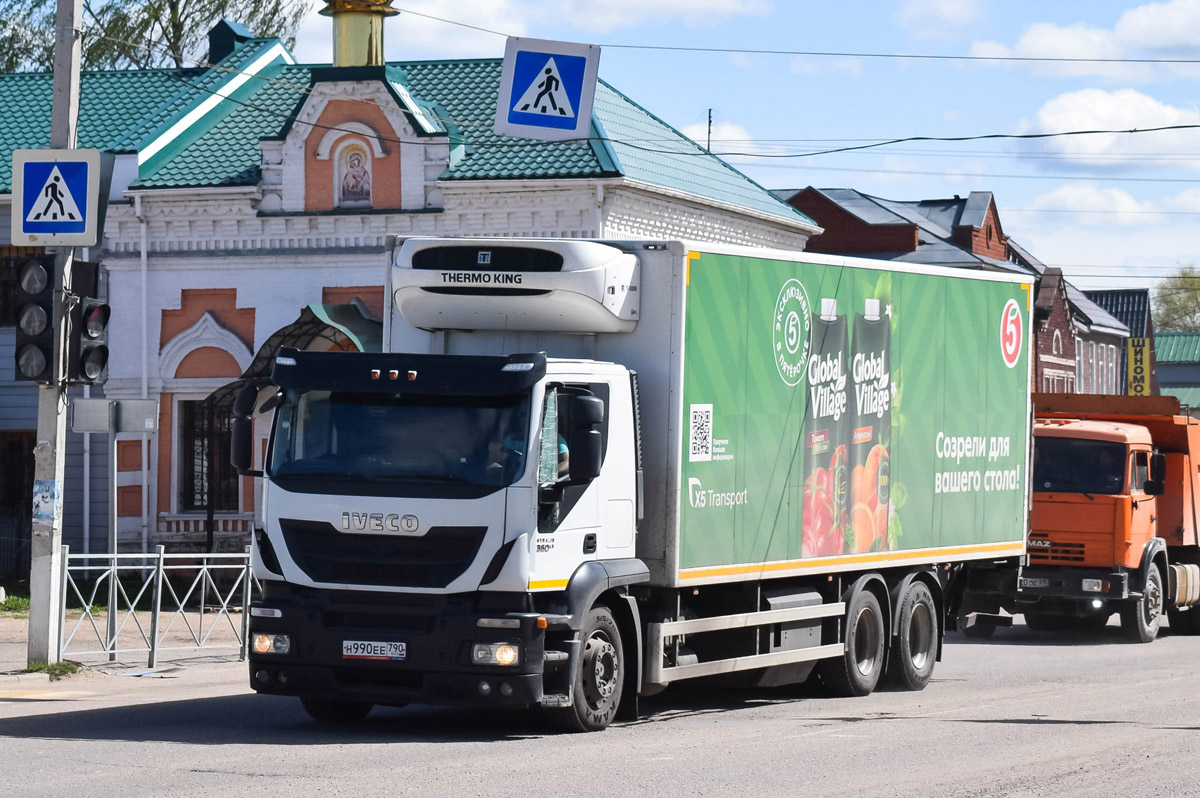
(127, 110)
(1177, 347)
(1186, 394)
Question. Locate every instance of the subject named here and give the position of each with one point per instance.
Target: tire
(332, 710)
(857, 671)
(1184, 622)
(1140, 619)
(914, 651)
(596, 693)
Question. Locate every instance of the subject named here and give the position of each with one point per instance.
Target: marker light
(517, 367)
(499, 623)
(285, 361)
(375, 374)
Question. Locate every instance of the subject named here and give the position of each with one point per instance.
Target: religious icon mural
(354, 166)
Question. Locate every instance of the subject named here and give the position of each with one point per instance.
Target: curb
(12, 680)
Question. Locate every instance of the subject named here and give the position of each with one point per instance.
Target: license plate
(370, 649)
(1032, 581)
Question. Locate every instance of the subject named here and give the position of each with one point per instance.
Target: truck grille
(435, 559)
(1057, 552)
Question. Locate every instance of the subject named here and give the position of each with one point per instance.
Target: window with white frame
(1079, 364)
(1092, 366)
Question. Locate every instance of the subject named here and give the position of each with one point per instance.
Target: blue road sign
(546, 89)
(58, 194)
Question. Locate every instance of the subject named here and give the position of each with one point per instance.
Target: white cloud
(937, 17)
(1096, 206)
(806, 65)
(1163, 30)
(1124, 109)
(408, 36)
(726, 137)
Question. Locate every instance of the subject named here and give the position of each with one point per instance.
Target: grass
(15, 604)
(56, 670)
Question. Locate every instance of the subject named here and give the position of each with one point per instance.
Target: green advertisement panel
(834, 411)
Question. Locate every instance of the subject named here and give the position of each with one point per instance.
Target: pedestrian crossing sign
(546, 89)
(55, 197)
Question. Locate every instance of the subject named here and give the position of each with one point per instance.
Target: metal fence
(120, 604)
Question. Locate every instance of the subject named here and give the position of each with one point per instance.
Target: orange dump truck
(1116, 482)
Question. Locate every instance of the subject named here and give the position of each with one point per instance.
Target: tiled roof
(1130, 306)
(1181, 347)
(127, 110)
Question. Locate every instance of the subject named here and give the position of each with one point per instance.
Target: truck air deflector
(522, 285)
(400, 373)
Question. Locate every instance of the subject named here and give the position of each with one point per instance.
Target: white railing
(150, 603)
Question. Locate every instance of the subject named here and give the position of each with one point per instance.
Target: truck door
(1142, 525)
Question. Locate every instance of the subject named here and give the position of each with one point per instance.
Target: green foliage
(56, 670)
(15, 604)
(1177, 301)
(138, 33)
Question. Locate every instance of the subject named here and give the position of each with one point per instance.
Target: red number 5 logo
(1010, 333)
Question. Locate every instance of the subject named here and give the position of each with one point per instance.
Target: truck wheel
(915, 650)
(857, 671)
(1184, 622)
(598, 679)
(332, 710)
(1140, 619)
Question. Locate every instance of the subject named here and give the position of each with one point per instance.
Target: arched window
(352, 174)
(1056, 347)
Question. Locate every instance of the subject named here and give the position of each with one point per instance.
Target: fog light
(272, 644)
(505, 654)
(262, 676)
(282, 677)
(1093, 585)
(485, 688)
(506, 689)
(1097, 603)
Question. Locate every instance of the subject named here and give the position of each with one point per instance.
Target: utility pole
(708, 142)
(49, 454)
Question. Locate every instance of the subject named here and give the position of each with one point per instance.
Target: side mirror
(243, 403)
(1158, 467)
(241, 447)
(586, 411)
(586, 449)
(1154, 487)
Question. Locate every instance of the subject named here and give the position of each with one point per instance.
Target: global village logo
(790, 332)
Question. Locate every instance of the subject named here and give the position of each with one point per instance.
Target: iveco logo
(1040, 544)
(379, 522)
(484, 258)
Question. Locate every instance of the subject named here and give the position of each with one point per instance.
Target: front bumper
(1047, 582)
(438, 633)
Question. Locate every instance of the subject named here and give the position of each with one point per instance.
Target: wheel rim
(866, 641)
(920, 636)
(601, 670)
(1152, 603)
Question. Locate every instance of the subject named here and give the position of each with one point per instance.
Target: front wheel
(596, 693)
(915, 650)
(857, 671)
(1140, 619)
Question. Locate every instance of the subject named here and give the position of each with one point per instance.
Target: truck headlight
(505, 654)
(272, 644)
(1093, 585)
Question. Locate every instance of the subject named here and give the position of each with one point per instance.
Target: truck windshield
(1077, 465)
(371, 438)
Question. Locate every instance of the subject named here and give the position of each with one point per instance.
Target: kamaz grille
(434, 559)
(1058, 552)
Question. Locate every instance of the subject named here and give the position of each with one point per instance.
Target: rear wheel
(915, 648)
(332, 710)
(1140, 619)
(857, 671)
(596, 693)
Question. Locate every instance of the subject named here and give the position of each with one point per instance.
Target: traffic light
(34, 349)
(87, 326)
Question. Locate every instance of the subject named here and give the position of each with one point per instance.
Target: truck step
(555, 657)
(556, 700)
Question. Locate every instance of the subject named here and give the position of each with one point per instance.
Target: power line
(836, 54)
(868, 170)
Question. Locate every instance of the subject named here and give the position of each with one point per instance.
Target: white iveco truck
(584, 470)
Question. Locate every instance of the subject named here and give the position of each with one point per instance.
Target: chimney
(358, 30)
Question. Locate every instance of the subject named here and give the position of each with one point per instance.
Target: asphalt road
(1023, 713)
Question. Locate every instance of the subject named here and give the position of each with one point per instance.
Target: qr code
(700, 437)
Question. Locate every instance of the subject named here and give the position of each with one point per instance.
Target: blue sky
(1139, 218)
